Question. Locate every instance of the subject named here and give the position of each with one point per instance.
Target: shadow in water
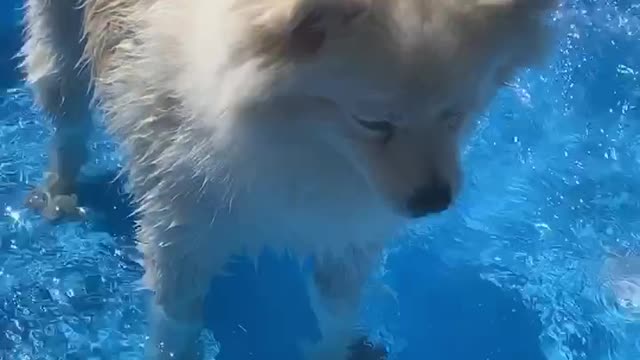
(445, 313)
(11, 41)
(262, 312)
(109, 203)
(451, 313)
(9, 74)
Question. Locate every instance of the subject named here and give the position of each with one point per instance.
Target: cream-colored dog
(315, 126)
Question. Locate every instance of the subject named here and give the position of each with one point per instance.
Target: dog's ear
(313, 22)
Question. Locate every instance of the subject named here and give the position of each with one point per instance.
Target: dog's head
(403, 78)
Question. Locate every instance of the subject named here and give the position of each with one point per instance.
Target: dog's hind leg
(52, 51)
(335, 294)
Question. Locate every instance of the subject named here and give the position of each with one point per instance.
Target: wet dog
(315, 126)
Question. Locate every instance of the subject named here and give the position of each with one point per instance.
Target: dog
(319, 127)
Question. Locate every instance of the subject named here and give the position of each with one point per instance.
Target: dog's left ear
(314, 22)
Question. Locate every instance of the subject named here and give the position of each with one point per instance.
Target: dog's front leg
(51, 54)
(179, 265)
(175, 331)
(335, 294)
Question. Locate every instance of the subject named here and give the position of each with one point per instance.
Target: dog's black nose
(433, 198)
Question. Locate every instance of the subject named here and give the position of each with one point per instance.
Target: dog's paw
(364, 349)
(55, 207)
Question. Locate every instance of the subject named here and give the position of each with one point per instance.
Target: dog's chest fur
(296, 204)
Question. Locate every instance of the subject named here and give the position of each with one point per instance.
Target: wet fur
(238, 138)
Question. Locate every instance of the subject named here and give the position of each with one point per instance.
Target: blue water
(552, 189)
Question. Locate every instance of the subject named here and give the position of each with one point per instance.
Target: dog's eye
(381, 127)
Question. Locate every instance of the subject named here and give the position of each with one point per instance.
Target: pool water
(513, 272)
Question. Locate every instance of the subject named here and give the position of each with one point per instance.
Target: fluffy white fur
(305, 125)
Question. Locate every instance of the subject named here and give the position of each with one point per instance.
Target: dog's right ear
(314, 22)
(287, 30)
